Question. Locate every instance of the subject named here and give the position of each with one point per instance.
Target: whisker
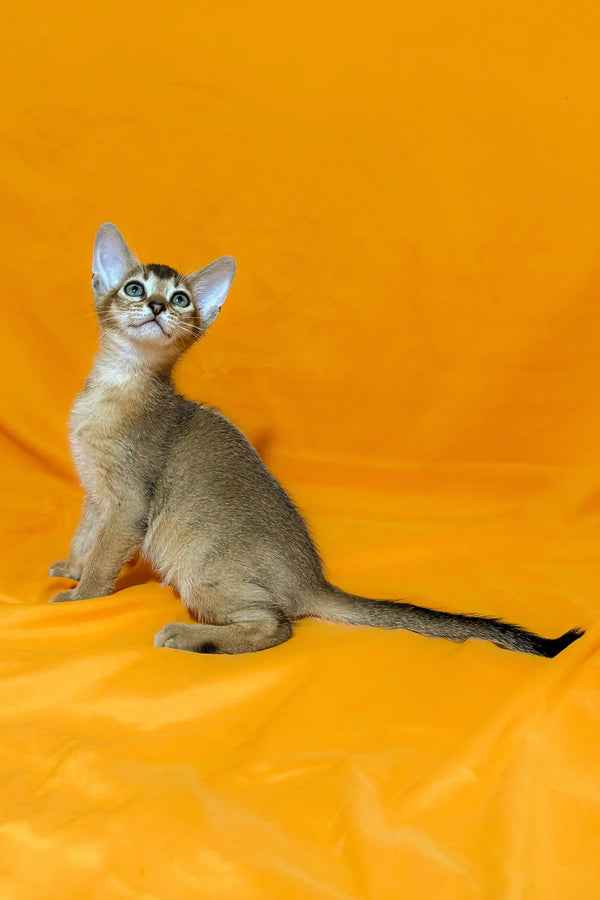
(194, 334)
(191, 329)
(188, 328)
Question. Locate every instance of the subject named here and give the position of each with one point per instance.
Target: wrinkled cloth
(411, 193)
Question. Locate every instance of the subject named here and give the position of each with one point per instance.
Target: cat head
(155, 305)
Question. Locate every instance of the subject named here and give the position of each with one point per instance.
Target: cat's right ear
(112, 259)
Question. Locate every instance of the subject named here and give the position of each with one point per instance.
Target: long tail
(338, 606)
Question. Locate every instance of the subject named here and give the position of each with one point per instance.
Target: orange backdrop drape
(412, 193)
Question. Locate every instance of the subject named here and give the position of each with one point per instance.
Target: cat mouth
(151, 321)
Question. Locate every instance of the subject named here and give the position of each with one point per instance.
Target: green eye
(181, 300)
(134, 289)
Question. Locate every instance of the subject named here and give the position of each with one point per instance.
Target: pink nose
(157, 306)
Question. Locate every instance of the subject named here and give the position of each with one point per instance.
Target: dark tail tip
(552, 647)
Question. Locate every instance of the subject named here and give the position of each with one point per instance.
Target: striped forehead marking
(164, 272)
(161, 280)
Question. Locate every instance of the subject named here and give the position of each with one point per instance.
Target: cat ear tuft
(112, 259)
(210, 286)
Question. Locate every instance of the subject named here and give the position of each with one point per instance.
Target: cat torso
(193, 485)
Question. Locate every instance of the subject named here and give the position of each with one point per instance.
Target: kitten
(179, 483)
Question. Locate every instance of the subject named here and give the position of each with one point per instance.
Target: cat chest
(103, 445)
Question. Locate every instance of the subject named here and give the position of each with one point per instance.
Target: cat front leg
(115, 542)
(82, 543)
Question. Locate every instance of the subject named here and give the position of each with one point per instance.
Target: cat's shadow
(262, 442)
(137, 571)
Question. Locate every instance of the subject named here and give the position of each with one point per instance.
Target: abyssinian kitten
(176, 481)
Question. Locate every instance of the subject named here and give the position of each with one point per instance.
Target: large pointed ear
(112, 259)
(211, 285)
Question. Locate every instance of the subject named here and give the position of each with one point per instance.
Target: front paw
(173, 635)
(62, 569)
(64, 596)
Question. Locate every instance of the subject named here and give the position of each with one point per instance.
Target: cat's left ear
(210, 286)
(112, 259)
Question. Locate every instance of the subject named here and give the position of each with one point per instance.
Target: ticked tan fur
(179, 483)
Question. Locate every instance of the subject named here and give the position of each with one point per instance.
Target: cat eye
(134, 289)
(181, 300)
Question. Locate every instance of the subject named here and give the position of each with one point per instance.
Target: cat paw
(61, 569)
(174, 636)
(64, 596)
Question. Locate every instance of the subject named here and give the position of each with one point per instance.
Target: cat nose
(157, 306)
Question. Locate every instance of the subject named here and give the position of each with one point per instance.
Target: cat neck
(121, 363)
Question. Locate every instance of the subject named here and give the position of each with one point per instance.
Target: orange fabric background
(411, 192)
